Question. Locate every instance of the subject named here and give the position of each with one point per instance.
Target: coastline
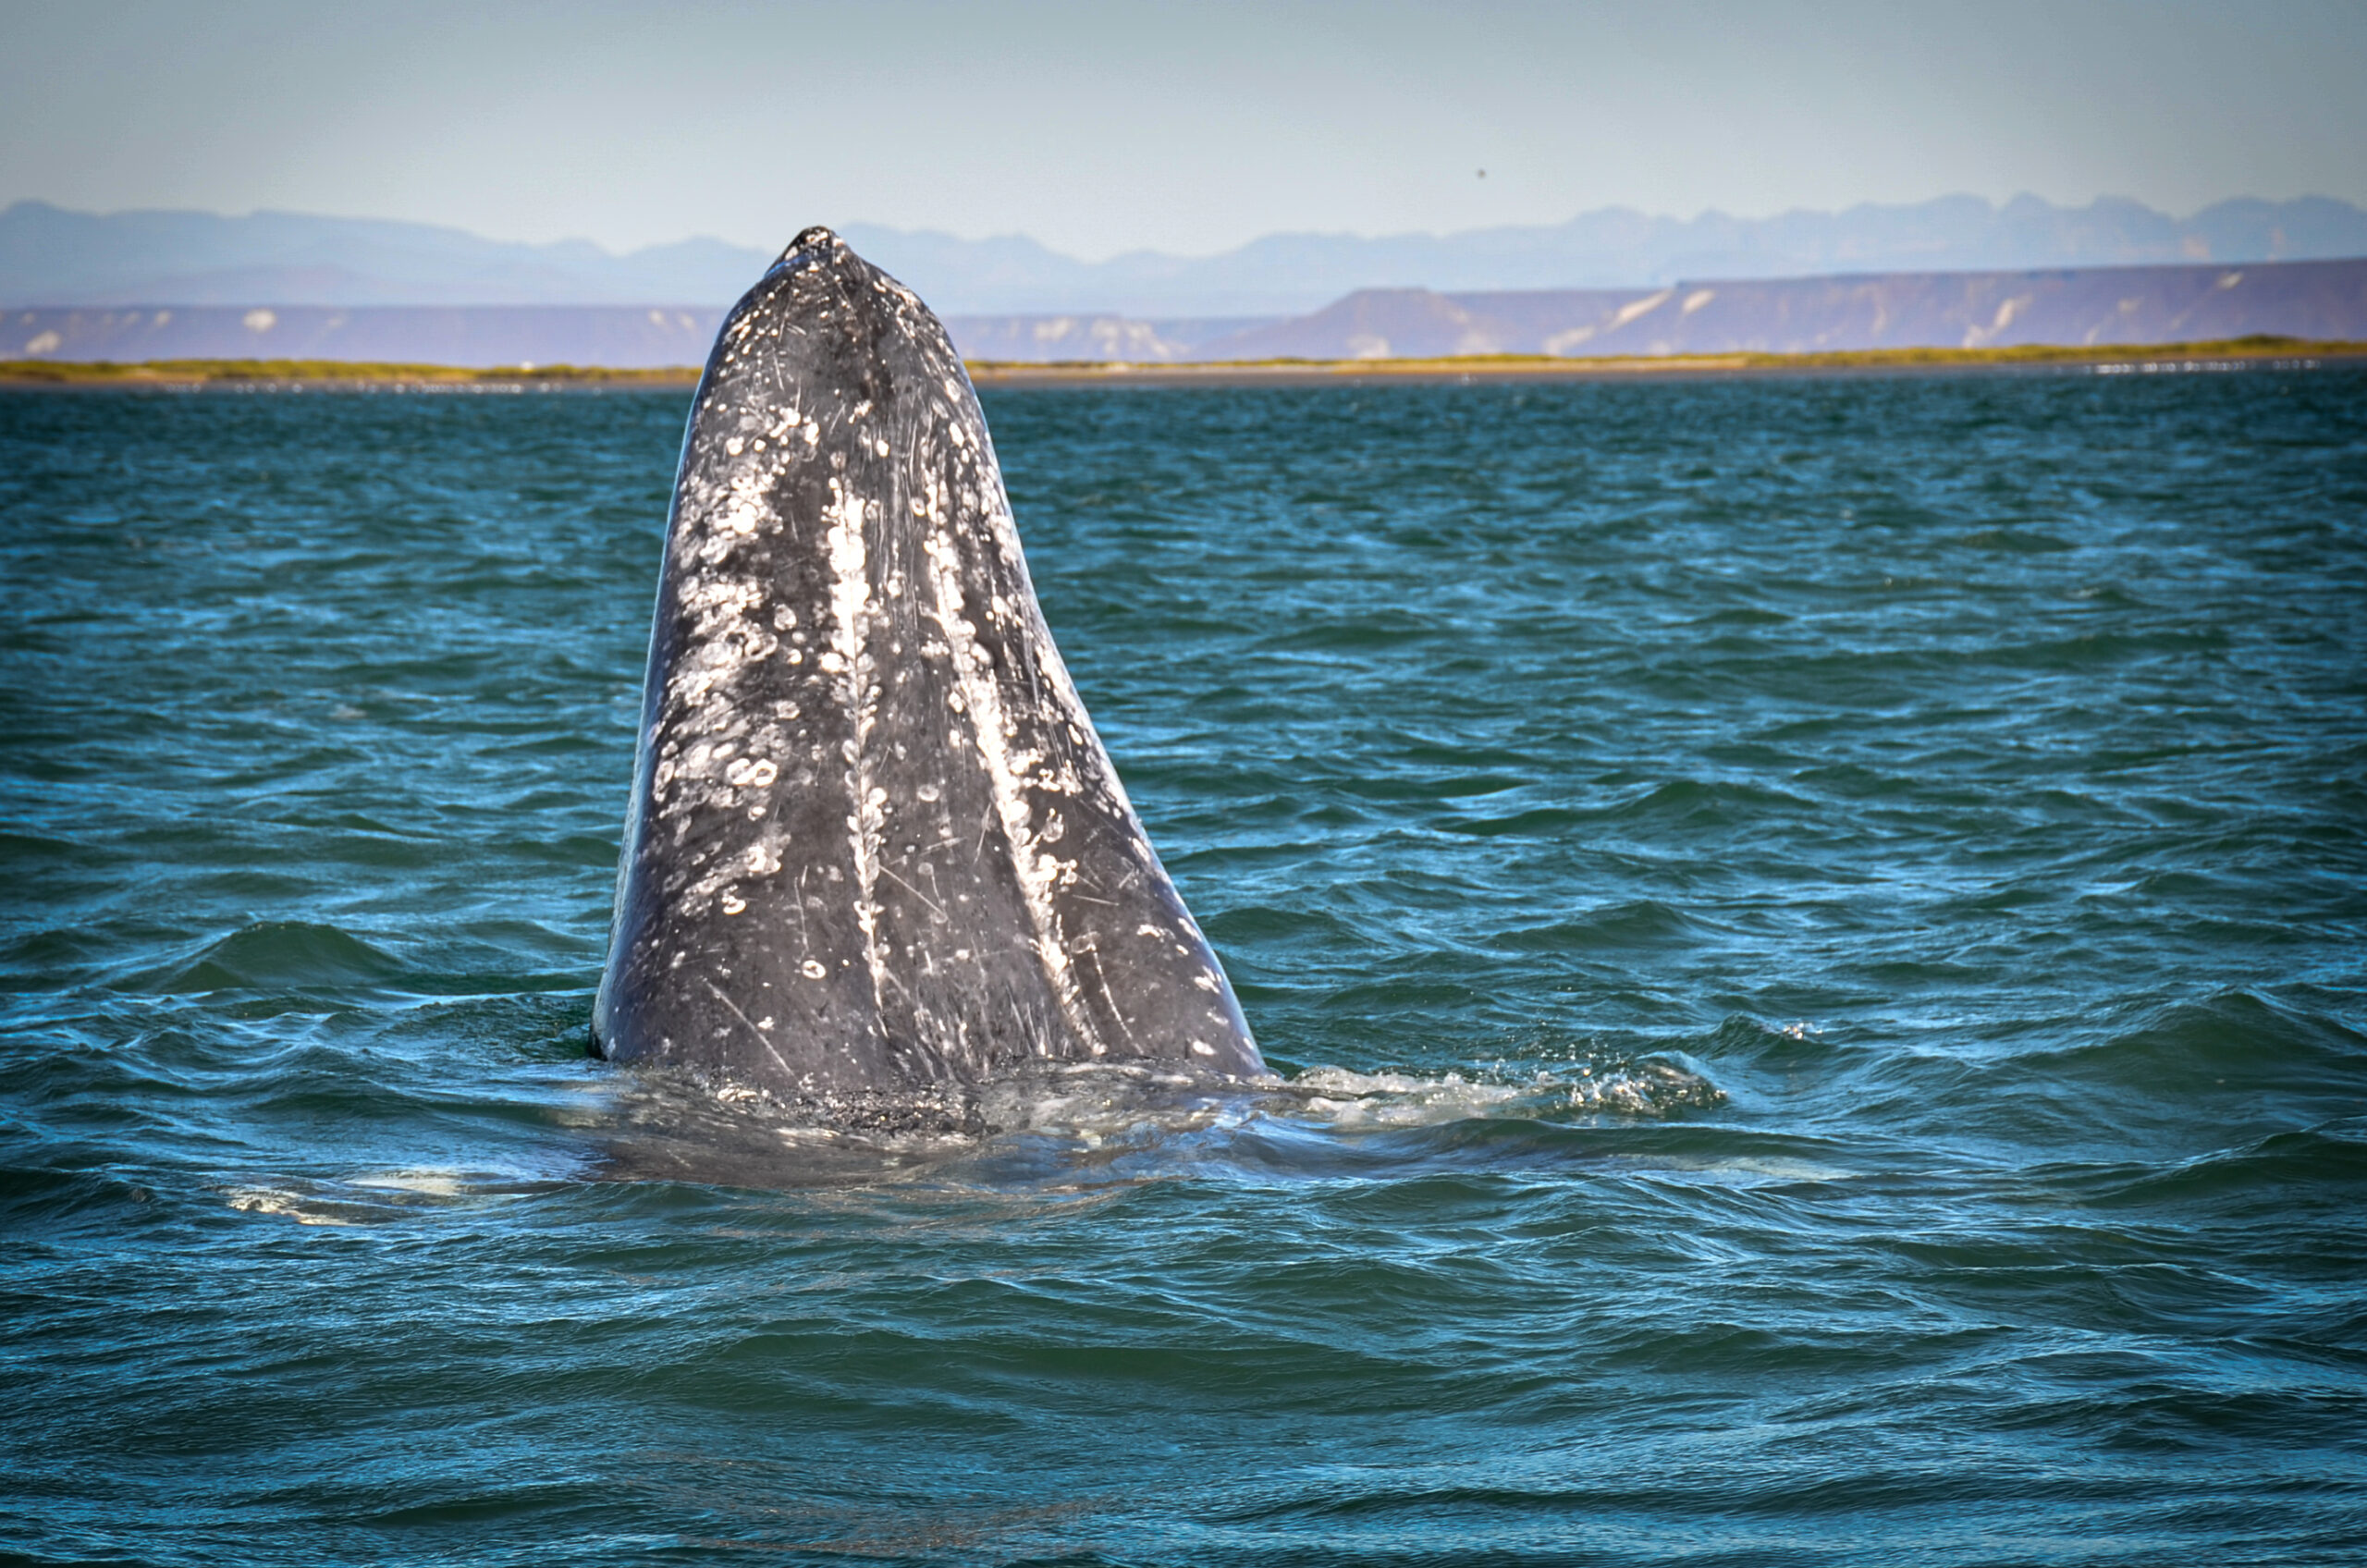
(261, 375)
(340, 375)
(2234, 354)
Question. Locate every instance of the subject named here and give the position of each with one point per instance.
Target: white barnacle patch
(751, 773)
(850, 605)
(1008, 767)
(812, 969)
(724, 637)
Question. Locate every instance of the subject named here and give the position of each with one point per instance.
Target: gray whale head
(874, 845)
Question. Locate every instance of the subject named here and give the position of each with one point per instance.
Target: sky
(1191, 129)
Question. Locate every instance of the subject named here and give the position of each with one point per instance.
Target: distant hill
(1107, 339)
(1992, 310)
(619, 337)
(50, 256)
(2080, 306)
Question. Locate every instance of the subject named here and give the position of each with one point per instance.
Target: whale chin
(874, 845)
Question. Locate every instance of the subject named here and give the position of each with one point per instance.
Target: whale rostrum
(873, 842)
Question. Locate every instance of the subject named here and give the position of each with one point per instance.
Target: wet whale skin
(873, 841)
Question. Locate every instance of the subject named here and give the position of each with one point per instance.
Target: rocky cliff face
(2088, 306)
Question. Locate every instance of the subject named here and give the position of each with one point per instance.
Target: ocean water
(1813, 928)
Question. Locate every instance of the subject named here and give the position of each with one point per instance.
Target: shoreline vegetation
(298, 374)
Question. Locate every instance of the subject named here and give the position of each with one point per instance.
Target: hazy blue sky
(1099, 128)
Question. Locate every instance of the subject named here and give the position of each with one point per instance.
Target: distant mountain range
(2075, 306)
(52, 257)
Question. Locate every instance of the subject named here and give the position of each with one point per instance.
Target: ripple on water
(1809, 931)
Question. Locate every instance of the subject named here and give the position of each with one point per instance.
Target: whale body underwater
(874, 845)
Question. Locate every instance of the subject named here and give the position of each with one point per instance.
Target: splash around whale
(874, 853)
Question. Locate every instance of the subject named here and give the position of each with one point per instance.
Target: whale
(873, 847)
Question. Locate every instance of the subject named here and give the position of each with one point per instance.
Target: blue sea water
(1815, 930)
